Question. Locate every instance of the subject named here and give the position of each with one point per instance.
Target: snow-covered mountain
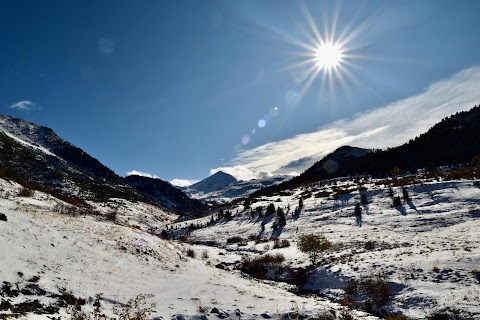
(222, 187)
(35, 156)
(218, 181)
(237, 189)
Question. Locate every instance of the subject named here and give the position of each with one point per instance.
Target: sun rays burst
(327, 55)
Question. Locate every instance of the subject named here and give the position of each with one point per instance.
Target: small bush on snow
(313, 245)
(190, 253)
(236, 239)
(259, 266)
(136, 308)
(278, 244)
(26, 192)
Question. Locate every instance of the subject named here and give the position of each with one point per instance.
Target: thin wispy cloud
(388, 126)
(24, 105)
(142, 174)
(182, 182)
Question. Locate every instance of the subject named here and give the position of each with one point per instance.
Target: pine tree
(300, 203)
(406, 197)
(270, 209)
(164, 234)
(390, 192)
(246, 203)
(281, 217)
(397, 201)
(260, 211)
(358, 210)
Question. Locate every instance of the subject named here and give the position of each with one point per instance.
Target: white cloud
(24, 105)
(182, 182)
(142, 174)
(387, 126)
(243, 173)
(106, 46)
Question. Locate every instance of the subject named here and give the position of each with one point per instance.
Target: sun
(328, 55)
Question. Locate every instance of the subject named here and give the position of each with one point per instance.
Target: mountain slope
(48, 142)
(35, 156)
(215, 182)
(452, 141)
(51, 173)
(238, 189)
(326, 168)
(164, 193)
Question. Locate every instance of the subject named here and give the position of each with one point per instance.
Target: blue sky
(176, 89)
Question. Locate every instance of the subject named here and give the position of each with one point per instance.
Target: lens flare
(262, 123)
(245, 139)
(273, 111)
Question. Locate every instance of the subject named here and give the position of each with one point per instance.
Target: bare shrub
(136, 308)
(278, 244)
(190, 253)
(237, 240)
(76, 313)
(327, 315)
(111, 216)
(202, 309)
(26, 192)
(374, 288)
(259, 266)
(370, 245)
(184, 239)
(345, 315)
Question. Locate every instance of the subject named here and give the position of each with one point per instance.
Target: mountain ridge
(452, 141)
(215, 182)
(36, 156)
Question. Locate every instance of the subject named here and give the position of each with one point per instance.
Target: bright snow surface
(86, 255)
(427, 249)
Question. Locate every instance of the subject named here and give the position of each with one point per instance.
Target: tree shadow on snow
(412, 206)
(359, 220)
(277, 233)
(296, 215)
(402, 210)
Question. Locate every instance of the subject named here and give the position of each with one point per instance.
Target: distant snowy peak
(215, 182)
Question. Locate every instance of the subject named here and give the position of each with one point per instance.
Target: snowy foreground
(426, 251)
(44, 253)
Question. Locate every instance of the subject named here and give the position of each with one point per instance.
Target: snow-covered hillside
(47, 256)
(425, 251)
